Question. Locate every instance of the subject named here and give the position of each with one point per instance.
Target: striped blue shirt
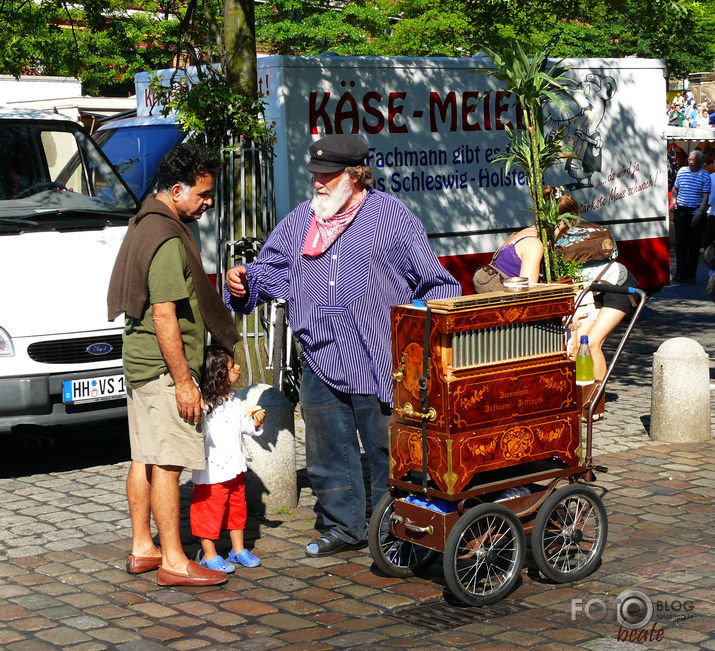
(691, 187)
(339, 302)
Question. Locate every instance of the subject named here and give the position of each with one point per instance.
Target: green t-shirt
(169, 280)
(677, 118)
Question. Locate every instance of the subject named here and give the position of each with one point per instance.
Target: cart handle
(408, 410)
(410, 526)
(598, 287)
(429, 530)
(615, 289)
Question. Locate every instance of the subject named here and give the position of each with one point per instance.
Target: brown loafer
(141, 564)
(195, 575)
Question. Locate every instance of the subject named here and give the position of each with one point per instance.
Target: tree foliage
(212, 109)
(293, 27)
(105, 42)
(680, 31)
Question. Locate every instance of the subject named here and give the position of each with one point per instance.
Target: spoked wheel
(484, 554)
(569, 534)
(394, 556)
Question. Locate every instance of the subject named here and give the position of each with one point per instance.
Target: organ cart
(486, 444)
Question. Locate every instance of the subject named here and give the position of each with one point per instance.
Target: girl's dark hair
(215, 384)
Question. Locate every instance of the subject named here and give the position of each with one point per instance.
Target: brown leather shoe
(195, 575)
(141, 564)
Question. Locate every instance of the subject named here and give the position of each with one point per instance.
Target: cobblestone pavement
(65, 536)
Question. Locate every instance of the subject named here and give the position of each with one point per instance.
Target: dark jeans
(687, 242)
(332, 451)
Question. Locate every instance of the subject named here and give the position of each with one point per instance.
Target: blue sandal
(245, 558)
(218, 563)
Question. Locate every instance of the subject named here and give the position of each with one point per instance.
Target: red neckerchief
(322, 234)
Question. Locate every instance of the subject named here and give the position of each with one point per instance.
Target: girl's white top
(223, 431)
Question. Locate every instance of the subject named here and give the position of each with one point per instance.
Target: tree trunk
(239, 29)
(239, 34)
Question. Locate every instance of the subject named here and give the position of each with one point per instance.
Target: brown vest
(128, 286)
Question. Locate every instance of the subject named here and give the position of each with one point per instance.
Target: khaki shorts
(157, 434)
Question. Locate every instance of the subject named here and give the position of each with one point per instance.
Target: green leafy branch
(535, 84)
(551, 217)
(212, 110)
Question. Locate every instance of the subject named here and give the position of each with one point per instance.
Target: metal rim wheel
(569, 534)
(394, 556)
(484, 554)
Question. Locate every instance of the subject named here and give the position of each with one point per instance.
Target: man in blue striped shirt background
(341, 260)
(691, 193)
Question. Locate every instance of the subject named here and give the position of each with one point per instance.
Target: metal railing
(245, 215)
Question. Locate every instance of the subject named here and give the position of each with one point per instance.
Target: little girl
(219, 499)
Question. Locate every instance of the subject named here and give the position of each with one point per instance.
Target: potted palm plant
(535, 149)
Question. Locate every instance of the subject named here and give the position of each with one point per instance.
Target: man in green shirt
(169, 303)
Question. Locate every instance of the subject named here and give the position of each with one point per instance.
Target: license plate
(93, 389)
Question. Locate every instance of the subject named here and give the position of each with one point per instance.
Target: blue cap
(584, 339)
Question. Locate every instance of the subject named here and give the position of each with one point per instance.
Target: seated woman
(521, 255)
(522, 252)
(610, 310)
(606, 312)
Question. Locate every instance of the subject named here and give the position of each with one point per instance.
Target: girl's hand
(258, 416)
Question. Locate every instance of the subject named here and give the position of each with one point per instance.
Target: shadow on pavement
(32, 450)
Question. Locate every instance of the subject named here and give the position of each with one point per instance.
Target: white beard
(327, 203)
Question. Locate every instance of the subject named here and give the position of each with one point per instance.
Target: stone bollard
(680, 396)
(271, 480)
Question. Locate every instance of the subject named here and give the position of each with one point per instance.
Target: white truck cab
(63, 215)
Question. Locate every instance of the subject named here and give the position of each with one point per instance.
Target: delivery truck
(434, 126)
(63, 215)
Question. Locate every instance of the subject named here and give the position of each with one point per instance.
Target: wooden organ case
(500, 391)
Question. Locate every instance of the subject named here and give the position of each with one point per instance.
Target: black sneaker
(329, 545)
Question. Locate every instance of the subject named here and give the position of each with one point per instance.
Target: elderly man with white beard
(341, 260)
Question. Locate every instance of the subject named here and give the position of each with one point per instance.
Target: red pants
(215, 507)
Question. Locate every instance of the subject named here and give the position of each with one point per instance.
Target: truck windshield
(136, 151)
(55, 168)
